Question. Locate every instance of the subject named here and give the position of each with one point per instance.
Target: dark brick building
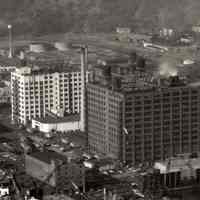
(135, 118)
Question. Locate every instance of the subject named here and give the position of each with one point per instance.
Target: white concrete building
(62, 124)
(37, 90)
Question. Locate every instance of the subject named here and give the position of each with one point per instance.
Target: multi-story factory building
(37, 90)
(135, 118)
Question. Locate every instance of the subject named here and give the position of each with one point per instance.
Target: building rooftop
(57, 197)
(2, 84)
(54, 120)
(103, 162)
(5, 61)
(144, 73)
(51, 56)
(47, 69)
(126, 78)
(47, 156)
(122, 189)
(177, 164)
(96, 180)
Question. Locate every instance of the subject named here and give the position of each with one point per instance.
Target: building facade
(104, 121)
(35, 91)
(162, 123)
(143, 123)
(54, 169)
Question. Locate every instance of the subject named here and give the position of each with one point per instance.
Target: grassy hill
(50, 16)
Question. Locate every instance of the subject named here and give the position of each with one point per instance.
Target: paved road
(95, 41)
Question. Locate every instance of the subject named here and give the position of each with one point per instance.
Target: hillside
(49, 16)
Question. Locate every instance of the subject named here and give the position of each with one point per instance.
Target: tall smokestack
(10, 55)
(83, 88)
(104, 194)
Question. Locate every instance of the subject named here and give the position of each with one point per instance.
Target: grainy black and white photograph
(99, 100)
